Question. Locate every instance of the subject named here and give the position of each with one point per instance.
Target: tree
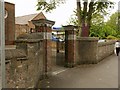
(85, 10)
(114, 22)
(106, 29)
(97, 22)
(49, 5)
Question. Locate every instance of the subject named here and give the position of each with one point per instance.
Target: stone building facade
(9, 23)
(23, 24)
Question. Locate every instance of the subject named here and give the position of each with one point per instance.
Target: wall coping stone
(30, 36)
(105, 43)
(88, 38)
(70, 27)
(28, 40)
(43, 22)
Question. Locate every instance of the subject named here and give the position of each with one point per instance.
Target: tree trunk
(84, 18)
(79, 16)
(84, 27)
(85, 30)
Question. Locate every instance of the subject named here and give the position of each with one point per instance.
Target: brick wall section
(10, 23)
(21, 29)
(70, 45)
(31, 25)
(46, 32)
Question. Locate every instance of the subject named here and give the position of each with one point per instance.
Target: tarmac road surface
(101, 75)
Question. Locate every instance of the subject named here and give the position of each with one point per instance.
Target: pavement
(101, 75)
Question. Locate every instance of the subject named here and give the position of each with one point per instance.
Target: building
(9, 23)
(23, 24)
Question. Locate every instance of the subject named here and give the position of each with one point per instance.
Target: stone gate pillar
(43, 27)
(70, 45)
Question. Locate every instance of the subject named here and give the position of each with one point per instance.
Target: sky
(60, 15)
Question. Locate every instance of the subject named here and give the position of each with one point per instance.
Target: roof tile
(26, 18)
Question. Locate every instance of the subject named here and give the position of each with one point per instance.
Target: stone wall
(15, 67)
(26, 64)
(25, 72)
(89, 51)
(105, 49)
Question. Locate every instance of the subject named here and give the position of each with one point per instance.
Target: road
(101, 75)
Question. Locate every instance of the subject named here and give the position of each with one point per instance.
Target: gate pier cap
(43, 22)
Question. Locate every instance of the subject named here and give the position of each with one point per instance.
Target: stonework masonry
(105, 49)
(91, 52)
(25, 68)
(31, 60)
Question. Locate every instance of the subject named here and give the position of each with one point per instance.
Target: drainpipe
(2, 44)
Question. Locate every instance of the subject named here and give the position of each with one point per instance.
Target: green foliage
(102, 31)
(73, 20)
(118, 36)
(109, 31)
(86, 12)
(113, 21)
(102, 6)
(111, 37)
(97, 19)
(48, 5)
(97, 31)
(114, 24)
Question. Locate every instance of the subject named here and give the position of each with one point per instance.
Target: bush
(111, 37)
(118, 36)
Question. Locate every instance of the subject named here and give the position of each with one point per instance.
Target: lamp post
(2, 44)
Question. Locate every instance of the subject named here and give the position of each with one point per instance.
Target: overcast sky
(61, 15)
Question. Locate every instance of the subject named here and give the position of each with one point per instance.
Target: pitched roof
(26, 18)
(6, 2)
